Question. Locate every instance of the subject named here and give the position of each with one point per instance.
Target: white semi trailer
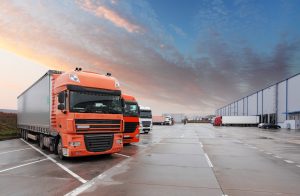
(240, 120)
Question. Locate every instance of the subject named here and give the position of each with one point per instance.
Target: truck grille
(130, 127)
(98, 142)
(98, 125)
(146, 123)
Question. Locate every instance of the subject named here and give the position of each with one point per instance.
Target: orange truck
(74, 113)
(131, 120)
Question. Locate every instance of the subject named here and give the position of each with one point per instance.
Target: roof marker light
(117, 84)
(74, 78)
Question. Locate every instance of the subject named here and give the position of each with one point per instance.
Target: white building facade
(277, 104)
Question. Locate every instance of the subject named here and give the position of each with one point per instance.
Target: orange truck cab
(131, 120)
(75, 113)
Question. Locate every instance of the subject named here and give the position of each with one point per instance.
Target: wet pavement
(196, 159)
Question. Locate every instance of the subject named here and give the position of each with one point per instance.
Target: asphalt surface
(195, 159)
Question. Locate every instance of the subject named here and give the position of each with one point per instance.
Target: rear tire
(21, 133)
(41, 141)
(26, 135)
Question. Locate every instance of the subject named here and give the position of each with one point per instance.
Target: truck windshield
(131, 109)
(91, 102)
(145, 114)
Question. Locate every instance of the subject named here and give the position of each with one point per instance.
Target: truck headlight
(74, 144)
(65, 152)
(119, 141)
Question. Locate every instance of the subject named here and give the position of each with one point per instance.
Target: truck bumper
(75, 146)
(131, 137)
(145, 129)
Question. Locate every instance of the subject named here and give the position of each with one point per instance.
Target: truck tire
(59, 150)
(26, 135)
(41, 141)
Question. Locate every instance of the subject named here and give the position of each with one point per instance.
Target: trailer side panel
(34, 105)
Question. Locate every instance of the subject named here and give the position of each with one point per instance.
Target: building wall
(252, 105)
(277, 99)
(294, 94)
(281, 116)
(260, 97)
(245, 109)
(269, 100)
(240, 107)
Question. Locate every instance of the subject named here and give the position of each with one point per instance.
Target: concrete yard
(192, 159)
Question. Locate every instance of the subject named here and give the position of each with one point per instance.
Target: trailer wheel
(21, 132)
(26, 135)
(59, 150)
(41, 141)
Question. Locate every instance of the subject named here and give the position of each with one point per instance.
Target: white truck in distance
(240, 120)
(168, 120)
(145, 119)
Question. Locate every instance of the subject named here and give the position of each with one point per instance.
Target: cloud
(110, 15)
(177, 30)
(127, 39)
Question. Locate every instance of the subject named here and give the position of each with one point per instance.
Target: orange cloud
(116, 19)
(112, 16)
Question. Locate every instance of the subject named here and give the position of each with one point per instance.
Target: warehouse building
(277, 104)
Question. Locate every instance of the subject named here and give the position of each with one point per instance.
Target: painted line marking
(57, 163)
(14, 150)
(141, 145)
(182, 136)
(201, 145)
(208, 160)
(92, 182)
(261, 150)
(278, 157)
(298, 165)
(23, 165)
(269, 153)
(123, 155)
(289, 161)
(166, 143)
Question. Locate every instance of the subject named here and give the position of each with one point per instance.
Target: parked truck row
(80, 113)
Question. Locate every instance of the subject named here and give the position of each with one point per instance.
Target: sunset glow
(189, 60)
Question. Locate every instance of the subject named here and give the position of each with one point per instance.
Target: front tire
(59, 150)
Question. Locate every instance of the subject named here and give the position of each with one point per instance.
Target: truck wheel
(41, 141)
(52, 146)
(59, 150)
(26, 135)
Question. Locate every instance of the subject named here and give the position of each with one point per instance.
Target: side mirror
(123, 103)
(61, 97)
(61, 106)
(123, 106)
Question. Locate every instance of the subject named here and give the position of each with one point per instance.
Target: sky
(174, 56)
